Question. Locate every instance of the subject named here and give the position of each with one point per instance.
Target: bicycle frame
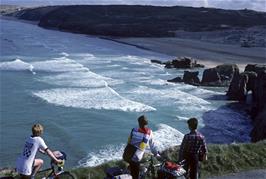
(151, 170)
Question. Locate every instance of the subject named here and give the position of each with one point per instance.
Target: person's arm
(204, 149)
(152, 146)
(50, 154)
(42, 151)
(181, 150)
(43, 147)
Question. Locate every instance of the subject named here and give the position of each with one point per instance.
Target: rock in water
(221, 75)
(211, 77)
(191, 77)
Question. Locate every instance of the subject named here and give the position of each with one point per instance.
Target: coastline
(207, 53)
(134, 45)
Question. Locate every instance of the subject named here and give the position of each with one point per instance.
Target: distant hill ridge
(139, 21)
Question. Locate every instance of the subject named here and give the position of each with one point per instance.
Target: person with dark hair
(193, 149)
(137, 142)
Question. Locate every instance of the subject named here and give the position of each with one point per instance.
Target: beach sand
(208, 53)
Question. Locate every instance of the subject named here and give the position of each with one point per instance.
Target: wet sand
(207, 53)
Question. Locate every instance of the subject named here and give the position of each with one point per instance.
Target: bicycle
(56, 171)
(162, 170)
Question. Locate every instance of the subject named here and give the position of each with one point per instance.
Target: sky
(258, 5)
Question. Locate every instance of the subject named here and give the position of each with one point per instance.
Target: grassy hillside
(222, 159)
(139, 21)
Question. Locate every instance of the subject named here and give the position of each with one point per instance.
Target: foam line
(96, 98)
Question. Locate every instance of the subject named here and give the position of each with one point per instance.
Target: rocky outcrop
(157, 61)
(189, 77)
(211, 77)
(183, 63)
(176, 80)
(258, 132)
(221, 75)
(241, 84)
(254, 80)
(180, 63)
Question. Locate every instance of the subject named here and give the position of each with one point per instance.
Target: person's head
(37, 129)
(143, 121)
(192, 123)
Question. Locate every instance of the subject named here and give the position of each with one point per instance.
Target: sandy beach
(207, 53)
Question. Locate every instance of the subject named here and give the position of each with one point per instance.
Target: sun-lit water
(88, 93)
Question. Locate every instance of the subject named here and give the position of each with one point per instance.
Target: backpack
(129, 152)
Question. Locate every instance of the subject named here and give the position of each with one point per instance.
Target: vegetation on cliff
(222, 159)
(139, 21)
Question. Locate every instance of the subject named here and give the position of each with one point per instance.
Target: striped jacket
(141, 138)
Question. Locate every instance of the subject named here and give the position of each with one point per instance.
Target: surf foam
(16, 65)
(97, 98)
(164, 138)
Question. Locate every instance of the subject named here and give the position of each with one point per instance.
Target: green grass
(222, 159)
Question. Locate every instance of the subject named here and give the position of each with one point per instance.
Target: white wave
(97, 98)
(164, 138)
(62, 64)
(64, 54)
(108, 153)
(80, 79)
(182, 118)
(16, 65)
(159, 95)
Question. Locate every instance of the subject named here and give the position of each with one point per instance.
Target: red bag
(171, 166)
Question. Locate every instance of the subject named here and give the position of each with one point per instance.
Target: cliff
(252, 80)
(139, 21)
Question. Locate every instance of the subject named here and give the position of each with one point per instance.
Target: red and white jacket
(140, 138)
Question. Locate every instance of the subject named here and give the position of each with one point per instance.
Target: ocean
(88, 93)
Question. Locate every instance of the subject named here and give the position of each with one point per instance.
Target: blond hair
(37, 129)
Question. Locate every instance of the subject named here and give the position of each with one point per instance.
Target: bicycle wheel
(66, 175)
(44, 173)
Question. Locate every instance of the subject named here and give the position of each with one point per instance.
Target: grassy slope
(222, 159)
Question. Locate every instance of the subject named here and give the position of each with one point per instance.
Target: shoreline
(209, 54)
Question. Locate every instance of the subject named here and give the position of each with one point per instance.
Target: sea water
(88, 93)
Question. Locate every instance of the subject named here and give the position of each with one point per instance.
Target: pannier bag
(170, 170)
(129, 152)
(117, 173)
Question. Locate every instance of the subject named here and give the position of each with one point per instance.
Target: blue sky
(259, 5)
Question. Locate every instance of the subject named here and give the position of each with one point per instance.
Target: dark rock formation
(157, 61)
(183, 63)
(176, 80)
(226, 71)
(191, 78)
(188, 78)
(139, 21)
(211, 77)
(221, 75)
(254, 80)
